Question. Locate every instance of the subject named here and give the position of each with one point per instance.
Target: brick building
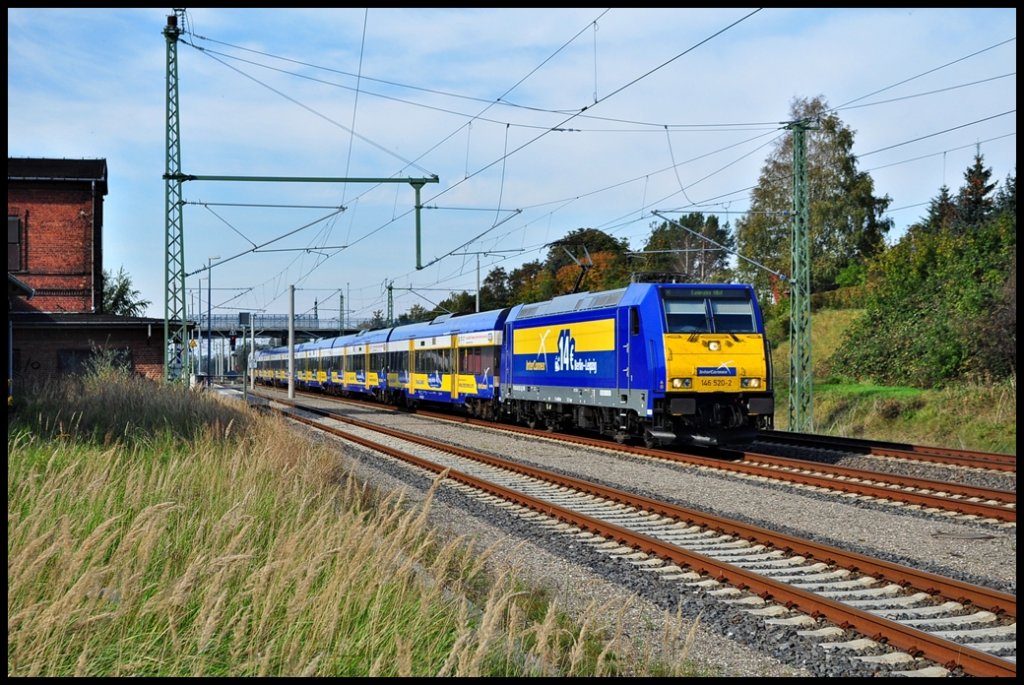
(56, 320)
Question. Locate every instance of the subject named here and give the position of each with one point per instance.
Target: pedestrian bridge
(275, 326)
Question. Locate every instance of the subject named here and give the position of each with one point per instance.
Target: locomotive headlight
(750, 382)
(714, 345)
(680, 383)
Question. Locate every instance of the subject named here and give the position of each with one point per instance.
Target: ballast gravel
(559, 567)
(726, 640)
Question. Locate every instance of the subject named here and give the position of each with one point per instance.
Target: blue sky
(535, 121)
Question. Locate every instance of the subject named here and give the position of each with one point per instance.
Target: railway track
(889, 616)
(982, 504)
(992, 506)
(936, 455)
(818, 444)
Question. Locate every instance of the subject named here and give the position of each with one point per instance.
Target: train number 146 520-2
(715, 382)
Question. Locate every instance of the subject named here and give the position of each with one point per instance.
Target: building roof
(19, 287)
(57, 170)
(81, 320)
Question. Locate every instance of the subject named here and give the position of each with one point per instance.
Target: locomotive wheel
(651, 442)
(621, 438)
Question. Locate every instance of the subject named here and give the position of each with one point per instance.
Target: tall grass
(171, 534)
(108, 405)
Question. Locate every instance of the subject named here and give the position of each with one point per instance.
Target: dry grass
(234, 552)
(109, 406)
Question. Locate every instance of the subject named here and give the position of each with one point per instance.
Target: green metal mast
(801, 372)
(391, 304)
(417, 185)
(176, 354)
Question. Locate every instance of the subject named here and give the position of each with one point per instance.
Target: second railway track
(934, 455)
(986, 504)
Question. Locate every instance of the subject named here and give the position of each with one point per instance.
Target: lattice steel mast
(176, 355)
(801, 371)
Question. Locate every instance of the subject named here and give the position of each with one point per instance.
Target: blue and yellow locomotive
(662, 363)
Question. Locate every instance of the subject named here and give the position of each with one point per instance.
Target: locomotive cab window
(686, 315)
(709, 311)
(733, 316)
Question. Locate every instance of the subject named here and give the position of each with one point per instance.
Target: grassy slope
(964, 416)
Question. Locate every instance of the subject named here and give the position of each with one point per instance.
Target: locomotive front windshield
(708, 310)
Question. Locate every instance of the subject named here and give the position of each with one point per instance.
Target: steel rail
(911, 640)
(886, 486)
(939, 455)
(1005, 510)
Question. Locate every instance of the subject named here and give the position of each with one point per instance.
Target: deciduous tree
(846, 219)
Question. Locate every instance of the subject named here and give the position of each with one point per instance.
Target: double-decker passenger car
(453, 360)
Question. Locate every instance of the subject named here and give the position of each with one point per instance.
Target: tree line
(939, 304)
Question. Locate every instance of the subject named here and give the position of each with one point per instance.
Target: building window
(84, 361)
(13, 243)
(73, 361)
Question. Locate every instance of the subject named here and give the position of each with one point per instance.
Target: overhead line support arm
(416, 183)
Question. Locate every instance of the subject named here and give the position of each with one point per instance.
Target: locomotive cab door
(628, 337)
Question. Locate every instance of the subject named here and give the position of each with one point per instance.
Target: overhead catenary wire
(674, 169)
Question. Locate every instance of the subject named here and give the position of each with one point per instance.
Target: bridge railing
(223, 323)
